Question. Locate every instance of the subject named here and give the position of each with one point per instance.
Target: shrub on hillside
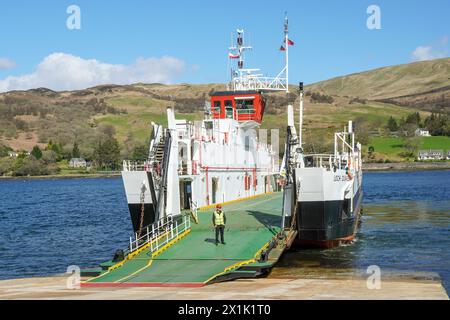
(107, 153)
(358, 100)
(438, 124)
(4, 150)
(392, 124)
(6, 165)
(31, 167)
(316, 97)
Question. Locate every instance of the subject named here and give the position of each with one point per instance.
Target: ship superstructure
(194, 164)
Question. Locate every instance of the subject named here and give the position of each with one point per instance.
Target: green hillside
(388, 82)
(125, 112)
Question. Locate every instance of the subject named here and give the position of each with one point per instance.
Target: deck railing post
(131, 244)
(148, 234)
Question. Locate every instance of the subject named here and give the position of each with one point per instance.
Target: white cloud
(6, 64)
(62, 71)
(423, 53)
(435, 51)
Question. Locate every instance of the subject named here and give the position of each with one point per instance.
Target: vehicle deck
(195, 260)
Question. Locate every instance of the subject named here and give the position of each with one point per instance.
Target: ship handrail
(246, 82)
(330, 161)
(159, 233)
(132, 165)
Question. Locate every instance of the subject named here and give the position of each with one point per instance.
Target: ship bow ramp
(193, 258)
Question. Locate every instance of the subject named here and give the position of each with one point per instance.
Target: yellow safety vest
(218, 218)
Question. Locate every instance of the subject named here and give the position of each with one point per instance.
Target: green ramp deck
(195, 259)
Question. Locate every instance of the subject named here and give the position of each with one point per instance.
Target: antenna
(300, 126)
(286, 46)
(250, 79)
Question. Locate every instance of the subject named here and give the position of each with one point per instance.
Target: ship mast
(248, 79)
(286, 46)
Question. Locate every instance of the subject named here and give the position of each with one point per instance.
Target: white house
(422, 132)
(448, 155)
(77, 163)
(431, 155)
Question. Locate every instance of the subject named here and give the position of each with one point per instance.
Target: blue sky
(331, 38)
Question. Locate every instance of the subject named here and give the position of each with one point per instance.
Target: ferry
(322, 194)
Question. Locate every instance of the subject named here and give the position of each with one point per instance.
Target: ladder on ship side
(157, 169)
(158, 152)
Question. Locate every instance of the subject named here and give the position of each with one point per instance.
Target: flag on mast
(233, 56)
(290, 42)
(282, 48)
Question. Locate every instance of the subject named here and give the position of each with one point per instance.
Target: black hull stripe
(135, 214)
(327, 220)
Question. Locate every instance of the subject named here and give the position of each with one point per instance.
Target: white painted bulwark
(133, 182)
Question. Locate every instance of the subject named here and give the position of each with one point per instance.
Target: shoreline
(406, 166)
(71, 176)
(367, 167)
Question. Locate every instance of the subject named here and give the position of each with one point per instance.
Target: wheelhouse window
(245, 106)
(216, 108)
(209, 125)
(229, 109)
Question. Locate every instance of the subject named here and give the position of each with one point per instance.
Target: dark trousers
(219, 229)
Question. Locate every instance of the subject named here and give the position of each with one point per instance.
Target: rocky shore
(406, 166)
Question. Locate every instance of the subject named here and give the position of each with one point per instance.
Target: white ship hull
(329, 204)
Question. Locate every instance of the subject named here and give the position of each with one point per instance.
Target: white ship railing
(329, 161)
(129, 165)
(245, 111)
(160, 233)
(253, 82)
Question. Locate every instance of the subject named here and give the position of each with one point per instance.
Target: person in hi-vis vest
(219, 220)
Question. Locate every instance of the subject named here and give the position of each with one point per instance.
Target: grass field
(392, 147)
(437, 143)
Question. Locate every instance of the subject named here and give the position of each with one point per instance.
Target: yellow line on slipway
(249, 261)
(250, 205)
(154, 254)
(227, 269)
(132, 256)
(241, 263)
(211, 206)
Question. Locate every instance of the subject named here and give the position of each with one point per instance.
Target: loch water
(47, 225)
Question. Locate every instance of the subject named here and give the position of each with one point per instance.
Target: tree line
(437, 124)
(106, 155)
